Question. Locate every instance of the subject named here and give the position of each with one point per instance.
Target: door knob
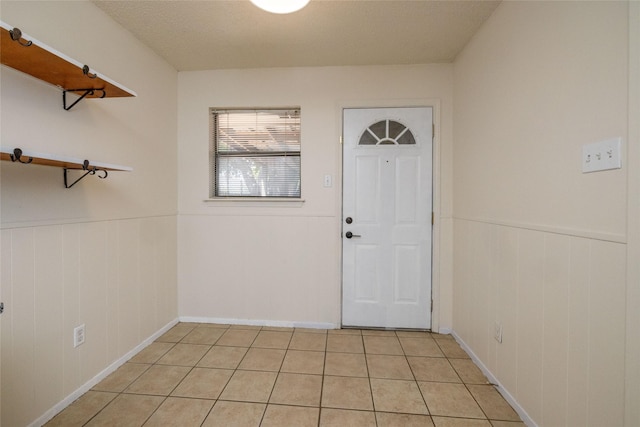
(349, 235)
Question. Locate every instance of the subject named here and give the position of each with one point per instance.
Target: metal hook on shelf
(85, 71)
(17, 157)
(94, 170)
(16, 35)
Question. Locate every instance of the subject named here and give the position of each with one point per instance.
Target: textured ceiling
(217, 34)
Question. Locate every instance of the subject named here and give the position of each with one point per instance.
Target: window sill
(254, 201)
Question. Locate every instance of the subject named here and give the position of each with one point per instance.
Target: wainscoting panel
(118, 278)
(560, 300)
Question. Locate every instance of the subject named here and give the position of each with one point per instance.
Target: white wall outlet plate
(601, 156)
(497, 331)
(78, 335)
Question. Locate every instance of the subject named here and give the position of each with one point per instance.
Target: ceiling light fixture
(280, 6)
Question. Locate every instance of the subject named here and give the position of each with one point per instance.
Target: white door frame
(436, 194)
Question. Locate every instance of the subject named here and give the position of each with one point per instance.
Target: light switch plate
(603, 155)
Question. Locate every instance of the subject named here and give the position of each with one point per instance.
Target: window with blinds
(255, 153)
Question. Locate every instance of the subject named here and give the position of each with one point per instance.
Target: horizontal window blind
(256, 153)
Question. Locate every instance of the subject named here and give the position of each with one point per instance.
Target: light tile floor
(220, 375)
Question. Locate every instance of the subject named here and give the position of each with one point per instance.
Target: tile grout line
(324, 368)
(266, 407)
(179, 382)
(186, 375)
(236, 370)
(406, 358)
(366, 364)
(123, 391)
(225, 384)
(196, 365)
(464, 383)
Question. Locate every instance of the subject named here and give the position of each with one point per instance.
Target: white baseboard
(444, 331)
(102, 375)
(254, 322)
(503, 391)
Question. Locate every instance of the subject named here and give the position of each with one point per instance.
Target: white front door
(386, 221)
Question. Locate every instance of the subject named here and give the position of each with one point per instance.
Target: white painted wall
(539, 246)
(281, 262)
(102, 253)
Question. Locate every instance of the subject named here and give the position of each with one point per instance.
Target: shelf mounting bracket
(87, 92)
(89, 170)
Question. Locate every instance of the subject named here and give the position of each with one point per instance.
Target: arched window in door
(387, 132)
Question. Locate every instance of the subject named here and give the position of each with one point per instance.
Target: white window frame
(280, 141)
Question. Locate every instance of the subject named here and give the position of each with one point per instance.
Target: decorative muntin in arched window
(387, 132)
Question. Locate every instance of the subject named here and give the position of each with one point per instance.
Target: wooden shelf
(67, 163)
(59, 161)
(30, 56)
(45, 63)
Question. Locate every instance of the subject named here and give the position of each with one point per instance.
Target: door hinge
(1, 307)
(433, 131)
(433, 218)
(340, 139)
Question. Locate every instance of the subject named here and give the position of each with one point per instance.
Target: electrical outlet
(78, 335)
(497, 331)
